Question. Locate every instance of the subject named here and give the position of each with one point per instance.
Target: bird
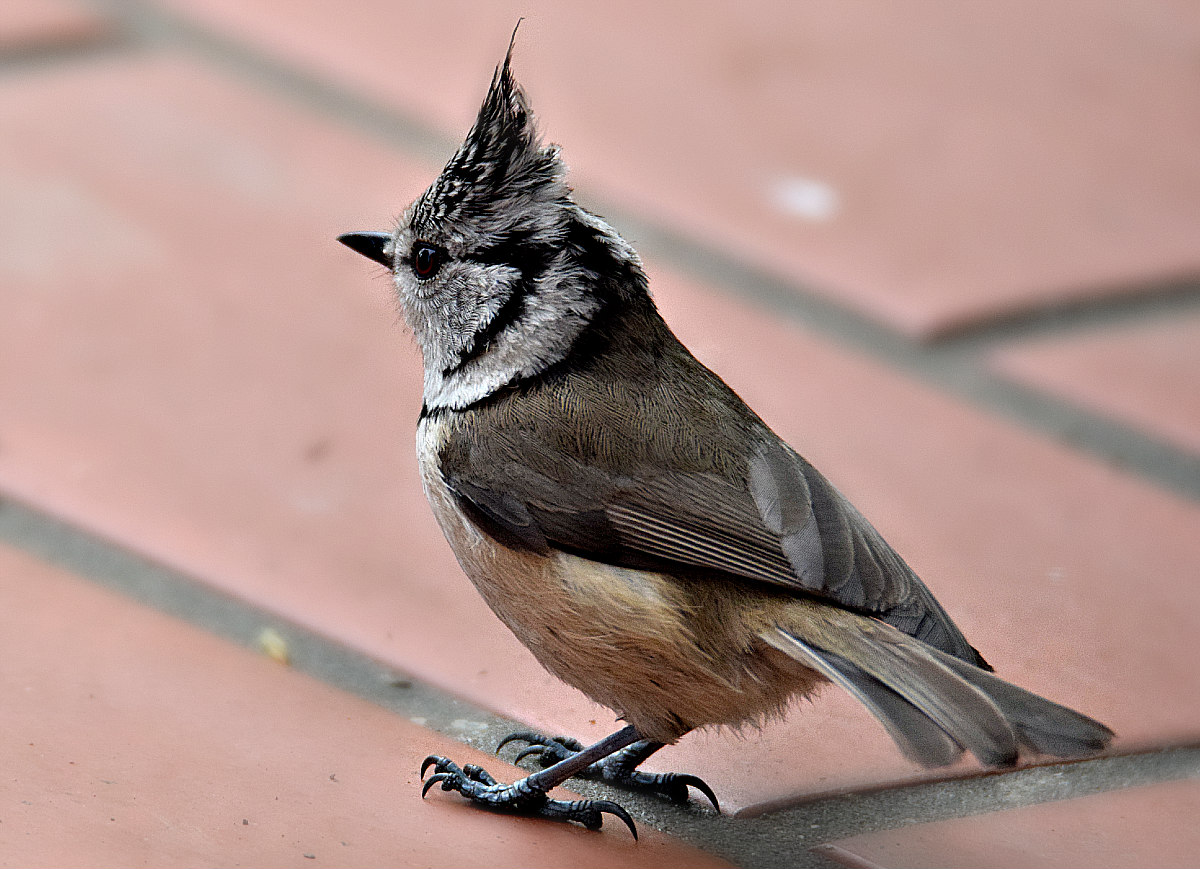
(631, 520)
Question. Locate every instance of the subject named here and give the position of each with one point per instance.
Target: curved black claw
(520, 797)
(617, 769)
(433, 779)
(590, 813)
(536, 739)
(672, 785)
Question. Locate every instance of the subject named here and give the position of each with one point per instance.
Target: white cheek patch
(543, 335)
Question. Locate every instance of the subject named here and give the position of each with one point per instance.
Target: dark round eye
(426, 259)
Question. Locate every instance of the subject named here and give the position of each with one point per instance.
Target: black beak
(370, 244)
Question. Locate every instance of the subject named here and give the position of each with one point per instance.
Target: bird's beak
(372, 245)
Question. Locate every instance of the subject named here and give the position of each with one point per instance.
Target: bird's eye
(426, 259)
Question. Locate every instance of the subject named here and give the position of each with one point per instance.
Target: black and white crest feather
(499, 165)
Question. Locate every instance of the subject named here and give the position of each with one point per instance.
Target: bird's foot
(619, 768)
(523, 797)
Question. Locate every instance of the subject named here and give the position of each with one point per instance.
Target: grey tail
(935, 706)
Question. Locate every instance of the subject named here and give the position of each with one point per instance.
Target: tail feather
(956, 705)
(913, 731)
(935, 705)
(1042, 725)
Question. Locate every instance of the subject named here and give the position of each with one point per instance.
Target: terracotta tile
(156, 744)
(931, 165)
(44, 23)
(1144, 826)
(1144, 375)
(210, 379)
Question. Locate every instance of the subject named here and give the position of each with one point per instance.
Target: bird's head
(497, 269)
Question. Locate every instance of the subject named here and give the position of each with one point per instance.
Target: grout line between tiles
(1153, 300)
(43, 54)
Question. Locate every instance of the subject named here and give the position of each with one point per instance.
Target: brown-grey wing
(782, 523)
(859, 569)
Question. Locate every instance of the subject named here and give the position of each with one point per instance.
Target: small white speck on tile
(805, 198)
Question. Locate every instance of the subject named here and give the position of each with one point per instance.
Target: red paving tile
(155, 744)
(930, 164)
(209, 378)
(1144, 826)
(44, 23)
(1147, 376)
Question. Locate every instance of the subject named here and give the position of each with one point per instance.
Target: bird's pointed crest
(501, 162)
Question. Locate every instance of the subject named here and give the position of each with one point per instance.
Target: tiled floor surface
(192, 370)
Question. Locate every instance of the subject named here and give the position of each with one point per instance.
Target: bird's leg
(528, 796)
(618, 768)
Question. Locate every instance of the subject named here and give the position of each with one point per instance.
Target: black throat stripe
(532, 258)
(510, 311)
